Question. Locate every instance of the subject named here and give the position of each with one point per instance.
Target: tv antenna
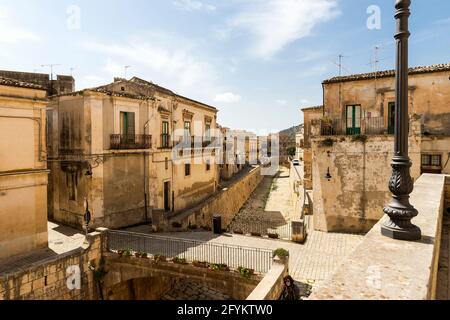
(125, 70)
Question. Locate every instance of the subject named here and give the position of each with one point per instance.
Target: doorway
(391, 117)
(353, 114)
(167, 196)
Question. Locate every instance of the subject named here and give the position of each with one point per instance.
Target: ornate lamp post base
(400, 211)
(401, 230)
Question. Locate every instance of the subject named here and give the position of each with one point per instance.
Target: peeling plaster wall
(353, 199)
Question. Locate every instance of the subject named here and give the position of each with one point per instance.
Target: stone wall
(122, 270)
(48, 279)
(382, 268)
(226, 203)
(271, 286)
(353, 198)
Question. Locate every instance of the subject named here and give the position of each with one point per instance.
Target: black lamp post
(400, 211)
(87, 215)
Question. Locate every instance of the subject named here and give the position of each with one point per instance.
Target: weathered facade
(23, 168)
(117, 147)
(352, 143)
(309, 114)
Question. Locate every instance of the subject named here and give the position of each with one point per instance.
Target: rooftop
(312, 108)
(21, 84)
(388, 73)
(105, 89)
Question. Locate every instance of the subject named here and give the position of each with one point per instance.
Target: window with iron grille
(431, 160)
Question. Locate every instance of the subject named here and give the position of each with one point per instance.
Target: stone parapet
(385, 269)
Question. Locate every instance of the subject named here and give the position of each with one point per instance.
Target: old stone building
(62, 83)
(351, 143)
(133, 149)
(233, 161)
(23, 168)
(309, 114)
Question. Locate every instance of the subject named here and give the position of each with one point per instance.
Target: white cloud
(12, 33)
(304, 101)
(227, 97)
(193, 5)
(281, 102)
(277, 23)
(443, 21)
(168, 61)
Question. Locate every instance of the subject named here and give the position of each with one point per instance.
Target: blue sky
(258, 61)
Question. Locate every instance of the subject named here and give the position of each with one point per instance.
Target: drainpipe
(145, 173)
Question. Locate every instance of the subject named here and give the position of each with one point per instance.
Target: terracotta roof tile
(16, 83)
(389, 73)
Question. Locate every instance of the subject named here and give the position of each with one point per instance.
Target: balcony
(130, 141)
(366, 126)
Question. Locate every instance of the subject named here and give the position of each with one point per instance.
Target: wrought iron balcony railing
(130, 141)
(366, 126)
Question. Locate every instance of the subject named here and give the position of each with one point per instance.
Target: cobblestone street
(189, 290)
(267, 208)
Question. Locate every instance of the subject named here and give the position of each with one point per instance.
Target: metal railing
(367, 126)
(257, 259)
(130, 141)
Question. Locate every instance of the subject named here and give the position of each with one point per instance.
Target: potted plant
(273, 235)
(255, 234)
(283, 254)
(238, 231)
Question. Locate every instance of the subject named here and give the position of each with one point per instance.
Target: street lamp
(400, 211)
(87, 215)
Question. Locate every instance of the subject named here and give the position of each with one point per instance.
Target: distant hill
(287, 140)
(291, 132)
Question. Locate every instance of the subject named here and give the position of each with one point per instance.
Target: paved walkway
(61, 239)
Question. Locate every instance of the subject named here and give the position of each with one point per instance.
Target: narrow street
(310, 262)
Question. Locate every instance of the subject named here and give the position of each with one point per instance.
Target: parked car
(296, 163)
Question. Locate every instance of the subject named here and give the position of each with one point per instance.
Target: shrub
(238, 231)
(192, 226)
(273, 235)
(159, 258)
(256, 234)
(245, 272)
(177, 260)
(360, 137)
(327, 142)
(176, 224)
(140, 254)
(200, 264)
(218, 267)
(281, 253)
(126, 253)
